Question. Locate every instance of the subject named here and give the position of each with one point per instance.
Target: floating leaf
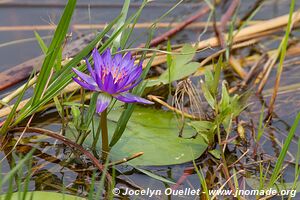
(37, 195)
(181, 67)
(154, 132)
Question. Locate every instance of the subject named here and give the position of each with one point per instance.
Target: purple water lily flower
(112, 77)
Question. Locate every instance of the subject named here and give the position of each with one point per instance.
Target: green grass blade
(123, 120)
(41, 42)
(53, 50)
(283, 152)
(217, 75)
(120, 23)
(63, 77)
(202, 180)
(260, 129)
(282, 49)
(169, 63)
(154, 176)
(12, 113)
(127, 33)
(14, 170)
(101, 184)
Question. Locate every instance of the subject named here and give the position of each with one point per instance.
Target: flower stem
(95, 140)
(105, 146)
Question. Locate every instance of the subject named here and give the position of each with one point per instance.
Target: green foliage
(53, 50)
(18, 185)
(43, 46)
(11, 115)
(206, 129)
(202, 180)
(151, 131)
(76, 116)
(37, 195)
(283, 152)
(119, 24)
(261, 127)
(124, 118)
(62, 78)
(154, 176)
(225, 109)
(180, 66)
(254, 183)
(13, 171)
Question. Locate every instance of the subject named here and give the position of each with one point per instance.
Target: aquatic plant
(112, 77)
(219, 138)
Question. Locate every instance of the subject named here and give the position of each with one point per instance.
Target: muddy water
(53, 174)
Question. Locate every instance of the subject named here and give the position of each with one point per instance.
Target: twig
(224, 19)
(124, 160)
(251, 32)
(228, 180)
(242, 156)
(252, 74)
(267, 70)
(71, 87)
(102, 26)
(67, 142)
(34, 4)
(181, 26)
(237, 67)
(250, 11)
(22, 71)
(282, 48)
(255, 69)
(15, 93)
(218, 53)
(156, 99)
(248, 32)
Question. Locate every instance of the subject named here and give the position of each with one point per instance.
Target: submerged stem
(105, 144)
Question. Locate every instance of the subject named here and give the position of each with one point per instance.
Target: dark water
(53, 174)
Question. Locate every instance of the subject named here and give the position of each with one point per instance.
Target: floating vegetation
(202, 108)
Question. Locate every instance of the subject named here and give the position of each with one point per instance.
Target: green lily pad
(154, 132)
(38, 195)
(181, 67)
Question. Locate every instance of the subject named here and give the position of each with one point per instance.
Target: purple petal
(130, 98)
(85, 85)
(127, 81)
(99, 82)
(97, 62)
(108, 85)
(124, 89)
(118, 59)
(134, 75)
(122, 83)
(89, 80)
(127, 57)
(107, 59)
(103, 101)
(89, 67)
(128, 65)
